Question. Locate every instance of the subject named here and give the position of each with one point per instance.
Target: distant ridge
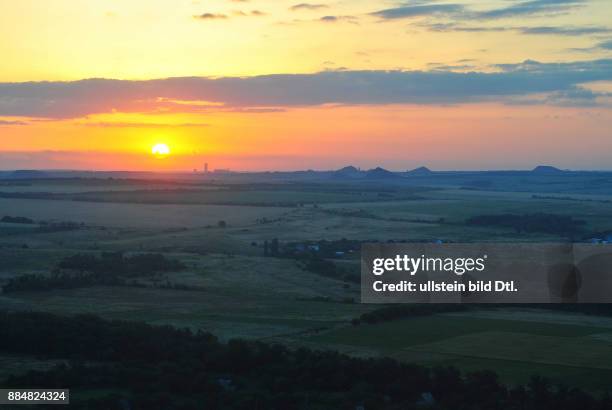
(420, 171)
(347, 172)
(546, 169)
(27, 174)
(380, 173)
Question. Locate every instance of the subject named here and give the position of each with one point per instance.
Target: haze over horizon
(420, 170)
(279, 85)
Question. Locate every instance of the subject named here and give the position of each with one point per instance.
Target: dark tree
(274, 248)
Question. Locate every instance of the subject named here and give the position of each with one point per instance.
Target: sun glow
(160, 150)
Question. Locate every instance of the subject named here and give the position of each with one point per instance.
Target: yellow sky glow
(68, 40)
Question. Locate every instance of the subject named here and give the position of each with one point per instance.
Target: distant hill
(350, 170)
(380, 173)
(420, 171)
(27, 174)
(347, 172)
(546, 169)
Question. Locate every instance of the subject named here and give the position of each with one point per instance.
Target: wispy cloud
(533, 7)
(598, 47)
(449, 27)
(460, 10)
(410, 11)
(572, 97)
(452, 67)
(11, 123)
(105, 124)
(254, 13)
(308, 6)
(334, 19)
(605, 45)
(527, 30)
(565, 31)
(239, 13)
(211, 16)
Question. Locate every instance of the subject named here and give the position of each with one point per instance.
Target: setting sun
(160, 150)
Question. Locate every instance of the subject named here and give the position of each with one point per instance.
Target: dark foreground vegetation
(84, 270)
(329, 269)
(315, 257)
(16, 220)
(403, 311)
(117, 365)
(42, 226)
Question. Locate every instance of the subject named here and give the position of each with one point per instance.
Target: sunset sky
(276, 84)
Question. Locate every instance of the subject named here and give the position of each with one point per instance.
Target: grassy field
(140, 192)
(74, 185)
(237, 296)
(236, 292)
(455, 206)
(136, 215)
(517, 344)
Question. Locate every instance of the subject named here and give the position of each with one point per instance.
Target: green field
(237, 296)
(576, 354)
(136, 215)
(234, 291)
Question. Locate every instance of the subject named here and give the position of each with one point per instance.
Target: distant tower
(206, 168)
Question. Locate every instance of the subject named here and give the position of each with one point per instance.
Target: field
(230, 288)
(516, 343)
(237, 296)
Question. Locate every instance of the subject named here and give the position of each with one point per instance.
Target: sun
(160, 150)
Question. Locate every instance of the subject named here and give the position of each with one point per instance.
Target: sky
(285, 85)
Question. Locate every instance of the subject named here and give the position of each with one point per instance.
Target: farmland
(231, 288)
(516, 343)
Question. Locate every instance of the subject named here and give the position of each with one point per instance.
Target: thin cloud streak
(308, 6)
(461, 11)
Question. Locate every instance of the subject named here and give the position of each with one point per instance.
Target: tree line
(137, 365)
(402, 311)
(395, 312)
(17, 220)
(84, 270)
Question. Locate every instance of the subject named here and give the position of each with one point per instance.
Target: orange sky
(471, 109)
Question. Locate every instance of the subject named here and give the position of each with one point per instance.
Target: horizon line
(222, 171)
